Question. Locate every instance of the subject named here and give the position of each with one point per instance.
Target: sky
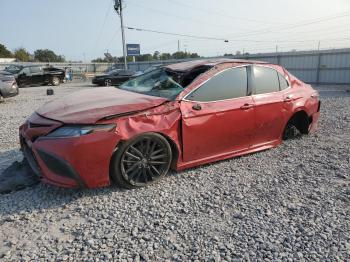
(85, 29)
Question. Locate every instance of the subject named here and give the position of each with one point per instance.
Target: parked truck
(30, 75)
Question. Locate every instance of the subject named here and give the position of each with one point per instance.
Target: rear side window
(265, 80)
(229, 84)
(283, 82)
(126, 73)
(35, 69)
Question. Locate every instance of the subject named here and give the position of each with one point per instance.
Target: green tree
(99, 60)
(46, 55)
(194, 55)
(156, 55)
(165, 56)
(22, 54)
(4, 52)
(183, 55)
(179, 55)
(144, 57)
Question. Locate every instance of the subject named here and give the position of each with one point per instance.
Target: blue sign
(133, 49)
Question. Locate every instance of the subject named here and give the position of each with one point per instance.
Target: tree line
(47, 56)
(22, 55)
(147, 57)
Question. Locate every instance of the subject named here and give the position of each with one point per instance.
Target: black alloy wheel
(108, 82)
(141, 161)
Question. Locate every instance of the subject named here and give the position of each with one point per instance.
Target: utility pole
(276, 48)
(178, 45)
(118, 6)
(319, 45)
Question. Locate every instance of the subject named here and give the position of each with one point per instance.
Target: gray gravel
(288, 203)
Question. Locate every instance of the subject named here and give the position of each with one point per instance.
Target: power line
(102, 27)
(176, 34)
(225, 39)
(167, 14)
(319, 20)
(222, 14)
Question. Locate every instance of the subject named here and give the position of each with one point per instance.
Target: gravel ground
(288, 203)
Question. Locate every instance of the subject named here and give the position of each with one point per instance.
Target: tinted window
(283, 82)
(265, 80)
(35, 69)
(126, 73)
(231, 83)
(25, 71)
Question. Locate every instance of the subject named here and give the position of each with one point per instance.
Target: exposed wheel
(55, 81)
(290, 132)
(141, 161)
(298, 124)
(108, 82)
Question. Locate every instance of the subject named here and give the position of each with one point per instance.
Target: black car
(8, 85)
(27, 75)
(114, 78)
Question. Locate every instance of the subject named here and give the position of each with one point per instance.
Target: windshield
(160, 82)
(13, 69)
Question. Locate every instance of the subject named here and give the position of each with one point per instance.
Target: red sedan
(178, 116)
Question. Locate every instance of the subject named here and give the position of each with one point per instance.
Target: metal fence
(315, 67)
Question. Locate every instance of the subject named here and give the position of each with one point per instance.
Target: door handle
(247, 106)
(197, 107)
(288, 99)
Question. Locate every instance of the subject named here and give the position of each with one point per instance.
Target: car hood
(101, 76)
(89, 106)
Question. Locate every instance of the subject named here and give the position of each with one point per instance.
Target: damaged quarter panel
(164, 119)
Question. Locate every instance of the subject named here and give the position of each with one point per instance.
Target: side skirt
(183, 165)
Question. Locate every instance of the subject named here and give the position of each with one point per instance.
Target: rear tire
(55, 81)
(141, 161)
(108, 82)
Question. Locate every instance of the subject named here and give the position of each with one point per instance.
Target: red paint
(218, 131)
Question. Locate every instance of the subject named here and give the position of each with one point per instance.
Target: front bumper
(97, 81)
(70, 162)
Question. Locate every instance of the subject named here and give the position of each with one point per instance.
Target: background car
(114, 77)
(30, 75)
(178, 116)
(8, 85)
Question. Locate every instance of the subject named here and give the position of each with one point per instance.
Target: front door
(23, 77)
(218, 117)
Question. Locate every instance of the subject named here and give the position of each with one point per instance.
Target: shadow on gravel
(17, 176)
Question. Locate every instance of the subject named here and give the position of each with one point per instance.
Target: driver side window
(229, 84)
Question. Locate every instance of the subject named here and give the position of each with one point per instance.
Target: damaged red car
(177, 116)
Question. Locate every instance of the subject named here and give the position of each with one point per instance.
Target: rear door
(36, 75)
(218, 117)
(122, 76)
(268, 100)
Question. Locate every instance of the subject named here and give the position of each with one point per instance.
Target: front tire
(141, 161)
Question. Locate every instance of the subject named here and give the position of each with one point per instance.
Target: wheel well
(174, 150)
(301, 121)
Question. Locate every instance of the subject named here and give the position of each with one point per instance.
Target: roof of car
(189, 65)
